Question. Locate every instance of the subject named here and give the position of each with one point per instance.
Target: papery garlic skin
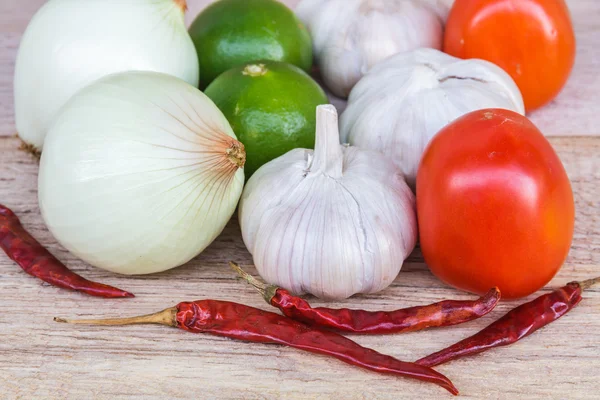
(441, 7)
(351, 36)
(140, 173)
(333, 222)
(69, 43)
(403, 102)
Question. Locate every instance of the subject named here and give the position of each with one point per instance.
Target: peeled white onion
(140, 172)
(70, 43)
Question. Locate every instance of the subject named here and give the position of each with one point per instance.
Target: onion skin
(182, 4)
(141, 172)
(68, 45)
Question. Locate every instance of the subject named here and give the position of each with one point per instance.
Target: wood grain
(573, 112)
(42, 359)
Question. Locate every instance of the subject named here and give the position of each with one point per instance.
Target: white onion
(140, 172)
(70, 43)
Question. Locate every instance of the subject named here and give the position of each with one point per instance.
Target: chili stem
(258, 285)
(267, 291)
(589, 283)
(164, 317)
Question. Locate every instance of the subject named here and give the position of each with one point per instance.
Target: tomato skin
(495, 205)
(532, 40)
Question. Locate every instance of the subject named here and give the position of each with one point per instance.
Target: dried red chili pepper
(22, 248)
(443, 313)
(518, 323)
(241, 322)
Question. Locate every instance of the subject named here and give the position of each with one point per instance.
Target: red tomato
(532, 40)
(495, 205)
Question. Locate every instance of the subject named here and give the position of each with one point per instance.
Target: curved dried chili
(518, 323)
(37, 261)
(444, 313)
(241, 322)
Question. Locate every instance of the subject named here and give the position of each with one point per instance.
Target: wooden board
(42, 359)
(571, 113)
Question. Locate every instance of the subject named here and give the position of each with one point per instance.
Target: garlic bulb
(140, 172)
(351, 36)
(68, 44)
(404, 101)
(333, 222)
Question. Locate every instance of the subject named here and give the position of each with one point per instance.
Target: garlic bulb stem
(328, 157)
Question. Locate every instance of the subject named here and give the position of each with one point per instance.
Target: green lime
(229, 33)
(271, 107)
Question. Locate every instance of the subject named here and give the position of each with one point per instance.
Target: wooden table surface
(42, 359)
